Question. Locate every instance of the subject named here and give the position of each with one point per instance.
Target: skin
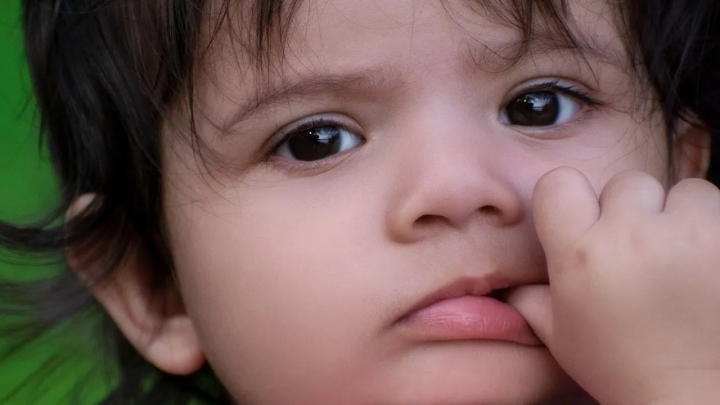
(291, 276)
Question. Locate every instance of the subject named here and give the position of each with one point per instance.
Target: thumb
(535, 305)
(565, 206)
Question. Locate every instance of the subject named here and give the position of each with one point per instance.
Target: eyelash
(307, 125)
(571, 91)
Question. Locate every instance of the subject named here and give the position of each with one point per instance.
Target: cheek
(641, 147)
(280, 288)
(604, 151)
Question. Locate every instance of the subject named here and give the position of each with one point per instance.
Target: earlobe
(691, 152)
(154, 322)
(159, 329)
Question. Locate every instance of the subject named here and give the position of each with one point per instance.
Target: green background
(56, 363)
(26, 185)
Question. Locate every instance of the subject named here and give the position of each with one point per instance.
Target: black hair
(106, 74)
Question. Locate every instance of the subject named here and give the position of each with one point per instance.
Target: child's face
(296, 269)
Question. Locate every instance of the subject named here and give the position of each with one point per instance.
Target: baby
(388, 202)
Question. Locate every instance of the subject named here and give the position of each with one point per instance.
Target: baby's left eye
(539, 109)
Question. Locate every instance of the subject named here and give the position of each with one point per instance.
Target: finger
(565, 206)
(535, 305)
(694, 196)
(632, 194)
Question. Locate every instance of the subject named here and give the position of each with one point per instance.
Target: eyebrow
(317, 84)
(511, 54)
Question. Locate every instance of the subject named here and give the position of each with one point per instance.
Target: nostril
(489, 210)
(428, 220)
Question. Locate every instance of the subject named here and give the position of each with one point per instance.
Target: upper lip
(475, 286)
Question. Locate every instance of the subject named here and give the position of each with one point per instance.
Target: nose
(451, 181)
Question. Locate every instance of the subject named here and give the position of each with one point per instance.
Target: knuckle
(558, 176)
(581, 256)
(640, 240)
(634, 175)
(696, 186)
(693, 235)
(695, 193)
(635, 179)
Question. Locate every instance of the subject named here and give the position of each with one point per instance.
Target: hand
(632, 312)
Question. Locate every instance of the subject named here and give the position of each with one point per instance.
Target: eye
(540, 109)
(317, 141)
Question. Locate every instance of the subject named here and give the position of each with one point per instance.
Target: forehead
(265, 46)
(273, 27)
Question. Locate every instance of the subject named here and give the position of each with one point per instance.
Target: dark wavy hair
(106, 73)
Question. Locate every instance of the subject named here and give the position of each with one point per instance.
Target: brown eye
(317, 143)
(539, 109)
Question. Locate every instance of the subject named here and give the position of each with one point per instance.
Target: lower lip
(469, 318)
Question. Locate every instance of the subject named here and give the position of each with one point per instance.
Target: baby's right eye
(317, 141)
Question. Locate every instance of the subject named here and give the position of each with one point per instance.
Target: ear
(691, 152)
(154, 322)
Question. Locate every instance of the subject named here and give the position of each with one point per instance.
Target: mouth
(467, 309)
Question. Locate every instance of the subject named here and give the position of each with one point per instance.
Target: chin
(475, 373)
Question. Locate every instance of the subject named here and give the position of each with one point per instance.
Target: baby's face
(396, 159)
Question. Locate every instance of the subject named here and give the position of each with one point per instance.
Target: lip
(466, 310)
